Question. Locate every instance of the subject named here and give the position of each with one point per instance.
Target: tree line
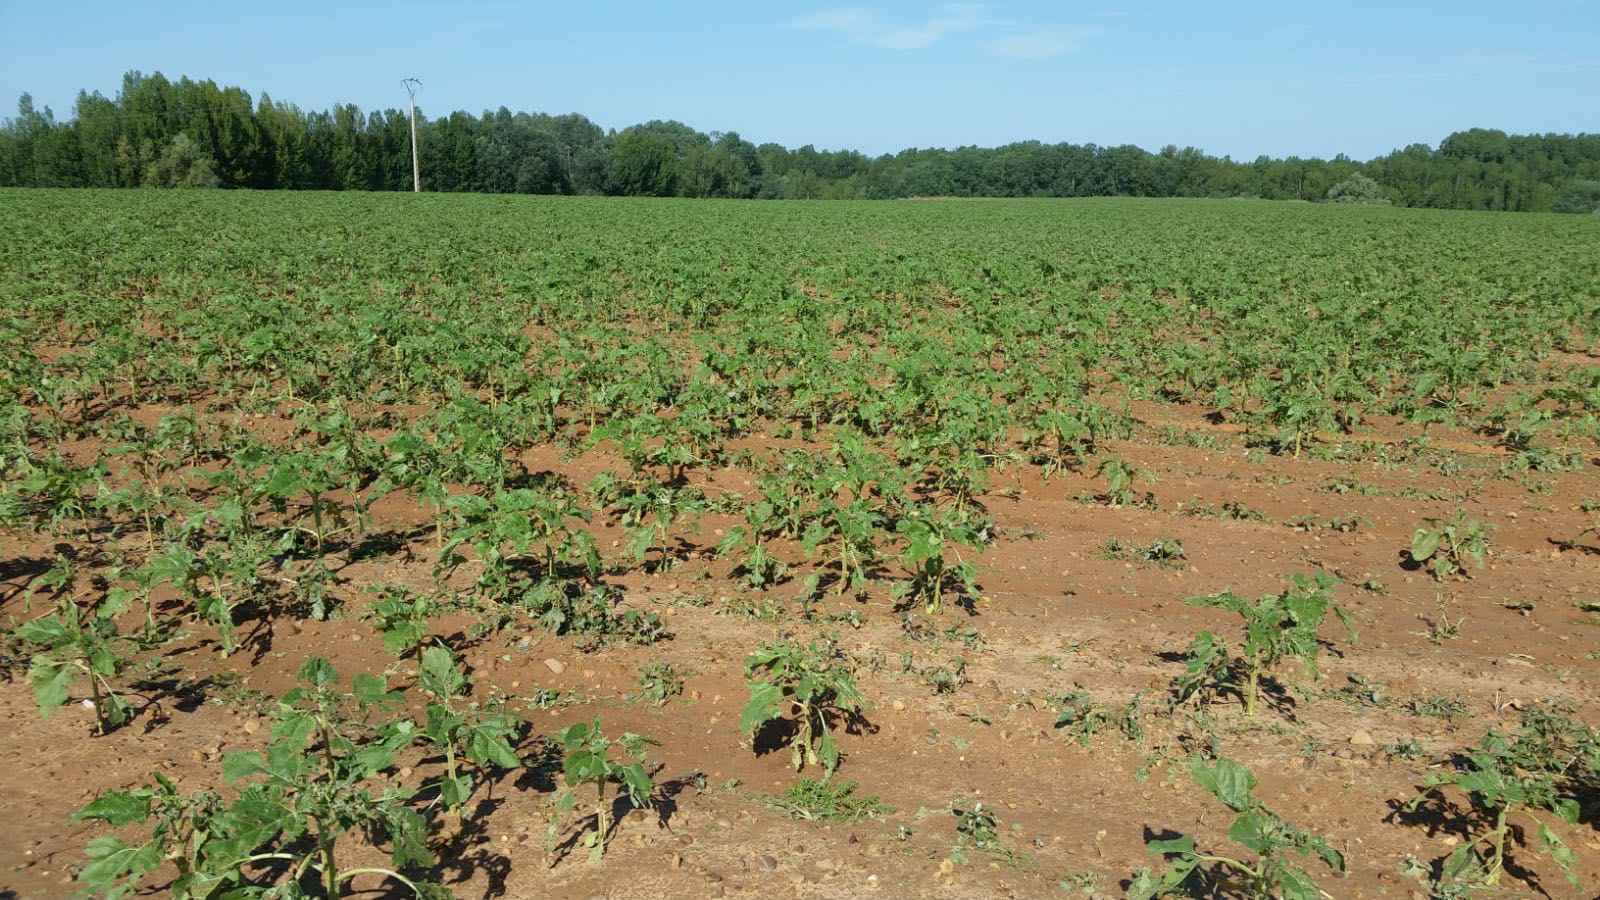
(162, 133)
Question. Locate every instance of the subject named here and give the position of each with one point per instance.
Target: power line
(190, 111)
(125, 114)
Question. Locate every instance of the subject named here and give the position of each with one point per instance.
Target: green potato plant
(1276, 627)
(404, 617)
(480, 735)
(1120, 476)
(1448, 546)
(144, 497)
(929, 534)
(293, 805)
(514, 527)
(49, 493)
(844, 535)
(183, 830)
(809, 683)
(1301, 403)
(650, 514)
(1511, 783)
(315, 476)
(658, 682)
(1060, 440)
(758, 566)
(748, 544)
(73, 643)
(587, 760)
(1273, 872)
(412, 462)
(227, 570)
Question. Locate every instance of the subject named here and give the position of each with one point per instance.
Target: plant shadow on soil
(1275, 693)
(383, 545)
(1572, 546)
(1202, 882)
(775, 734)
(465, 852)
(185, 696)
(21, 570)
(664, 803)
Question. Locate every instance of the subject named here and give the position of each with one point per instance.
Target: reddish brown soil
(1055, 614)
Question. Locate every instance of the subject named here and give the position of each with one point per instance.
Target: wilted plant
(294, 804)
(70, 644)
(1447, 546)
(809, 683)
(1272, 873)
(657, 682)
(1120, 475)
(1549, 767)
(588, 760)
(480, 735)
(1276, 627)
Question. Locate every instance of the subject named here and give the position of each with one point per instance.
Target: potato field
(492, 546)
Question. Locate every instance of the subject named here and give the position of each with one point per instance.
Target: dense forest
(185, 133)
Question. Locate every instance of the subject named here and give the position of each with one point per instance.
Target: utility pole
(416, 173)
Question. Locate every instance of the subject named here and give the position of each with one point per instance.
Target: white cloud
(860, 26)
(1038, 45)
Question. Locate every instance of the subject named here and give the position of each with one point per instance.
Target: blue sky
(1236, 78)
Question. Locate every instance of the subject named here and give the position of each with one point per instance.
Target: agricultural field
(563, 547)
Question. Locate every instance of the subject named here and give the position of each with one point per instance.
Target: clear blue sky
(1234, 78)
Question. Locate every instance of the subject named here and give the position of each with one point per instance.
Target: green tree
(644, 165)
(1358, 189)
(1580, 195)
(181, 165)
(114, 142)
